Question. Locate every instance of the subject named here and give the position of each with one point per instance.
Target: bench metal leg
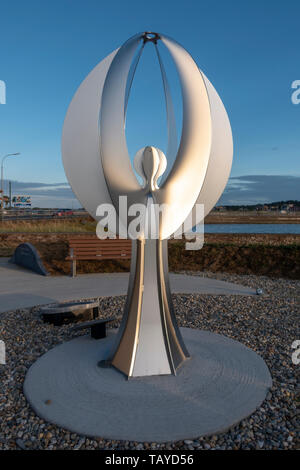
(98, 331)
(73, 263)
(95, 313)
(73, 268)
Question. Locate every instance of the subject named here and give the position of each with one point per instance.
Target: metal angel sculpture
(100, 171)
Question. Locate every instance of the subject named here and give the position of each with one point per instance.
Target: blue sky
(249, 50)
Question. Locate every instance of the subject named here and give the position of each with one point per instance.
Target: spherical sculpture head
(150, 163)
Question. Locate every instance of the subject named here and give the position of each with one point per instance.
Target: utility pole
(9, 194)
(2, 162)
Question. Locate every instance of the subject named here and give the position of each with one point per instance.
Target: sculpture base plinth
(222, 383)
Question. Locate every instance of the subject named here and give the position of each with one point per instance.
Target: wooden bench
(91, 248)
(98, 327)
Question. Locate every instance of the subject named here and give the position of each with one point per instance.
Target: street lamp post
(3, 158)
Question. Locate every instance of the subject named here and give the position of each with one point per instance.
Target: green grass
(51, 226)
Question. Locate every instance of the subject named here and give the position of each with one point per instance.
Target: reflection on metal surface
(99, 169)
(149, 341)
(171, 121)
(124, 356)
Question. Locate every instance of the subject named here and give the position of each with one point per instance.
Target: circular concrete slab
(221, 384)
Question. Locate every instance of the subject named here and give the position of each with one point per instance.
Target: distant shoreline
(252, 218)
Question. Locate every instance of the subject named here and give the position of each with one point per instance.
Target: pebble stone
(267, 323)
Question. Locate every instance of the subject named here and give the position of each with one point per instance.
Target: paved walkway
(22, 288)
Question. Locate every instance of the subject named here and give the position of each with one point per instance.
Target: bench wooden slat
(102, 250)
(99, 240)
(99, 251)
(92, 248)
(99, 247)
(103, 242)
(99, 254)
(99, 258)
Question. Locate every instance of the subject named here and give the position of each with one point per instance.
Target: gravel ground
(267, 323)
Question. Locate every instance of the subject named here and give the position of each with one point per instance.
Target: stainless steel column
(149, 341)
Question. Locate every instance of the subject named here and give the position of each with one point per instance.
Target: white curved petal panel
(117, 166)
(97, 163)
(81, 143)
(220, 159)
(188, 172)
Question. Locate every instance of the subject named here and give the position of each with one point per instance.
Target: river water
(252, 228)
